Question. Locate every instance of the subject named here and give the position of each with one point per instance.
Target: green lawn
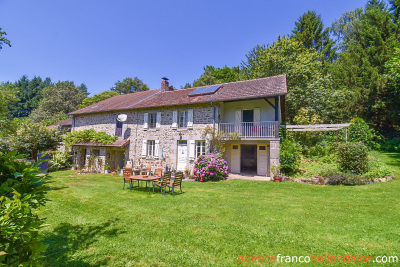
(94, 222)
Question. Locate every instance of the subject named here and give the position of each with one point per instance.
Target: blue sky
(99, 42)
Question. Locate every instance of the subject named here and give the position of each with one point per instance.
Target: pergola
(318, 128)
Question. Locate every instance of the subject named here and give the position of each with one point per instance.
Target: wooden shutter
(174, 119)
(190, 118)
(146, 121)
(156, 149)
(238, 115)
(257, 116)
(238, 120)
(144, 148)
(192, 150)
(158, 121)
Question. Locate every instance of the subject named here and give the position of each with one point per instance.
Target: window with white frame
(152, 120)
(151, 148)
(183, 119)
(200, 148)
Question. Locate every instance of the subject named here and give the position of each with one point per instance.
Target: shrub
(60, 160)
(289, 156)
(210, 168)
(321, 149)
(33, 138)
(359, 131)
(380, 172)
(353, 157)
(392, 145)
(344, 179)
(22, 191)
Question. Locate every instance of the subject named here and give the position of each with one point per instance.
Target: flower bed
(338, 179)
(210, 167)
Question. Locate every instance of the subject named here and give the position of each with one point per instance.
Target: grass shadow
(392, 160)
(67, 239)
(52, 187)
(393, 155)
(56, 188)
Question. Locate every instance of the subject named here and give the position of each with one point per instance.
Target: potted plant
(120, 171)
(187, 171)
(107, 168)
(276, 172)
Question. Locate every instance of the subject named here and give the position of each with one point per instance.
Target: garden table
(143, 178)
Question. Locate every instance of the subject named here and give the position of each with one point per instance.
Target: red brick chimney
(165, 85)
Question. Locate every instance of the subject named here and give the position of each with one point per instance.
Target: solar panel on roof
(95, 106)
(198, 91)
(205, 90)
(211, 89)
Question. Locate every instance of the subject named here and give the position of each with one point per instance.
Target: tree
(307, 86)
(309, 30)
(392, 74)
(368, 41)
(8, 95)
(29, 95)
(97, 98)
(187, 85)
(213, 75)
(4, 40)
(33, 138)
(343, 27)
(58, 100)
(129, 85)
(83, 88)
(395, 9)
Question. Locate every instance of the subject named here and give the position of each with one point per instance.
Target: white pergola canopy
(317, 128)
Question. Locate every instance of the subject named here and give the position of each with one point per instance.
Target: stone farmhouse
(165, 127)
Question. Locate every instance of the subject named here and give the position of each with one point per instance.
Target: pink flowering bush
(210, 168)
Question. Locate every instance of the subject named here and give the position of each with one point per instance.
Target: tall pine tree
(310, 31)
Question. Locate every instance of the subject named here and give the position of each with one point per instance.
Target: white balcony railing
(251, 129)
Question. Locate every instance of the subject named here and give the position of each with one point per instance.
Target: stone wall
(100, 122)
(274, 152)
(168, 137)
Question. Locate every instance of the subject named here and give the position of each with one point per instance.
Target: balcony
(263, 129)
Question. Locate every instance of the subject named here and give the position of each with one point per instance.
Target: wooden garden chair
(162, 182)
(127, 178)
(158, 173)
(147, 171)
(176, 183)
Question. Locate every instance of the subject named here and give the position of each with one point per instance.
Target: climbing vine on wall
(88, 136)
